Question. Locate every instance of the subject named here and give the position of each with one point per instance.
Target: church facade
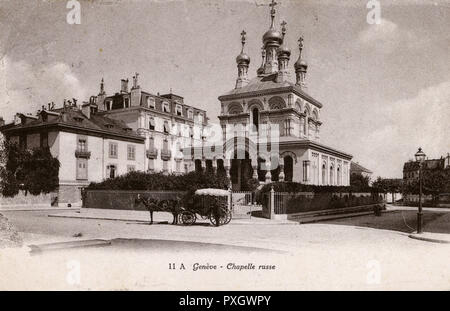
(271, 102)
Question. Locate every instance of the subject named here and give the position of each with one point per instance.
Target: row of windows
(166, 127)
(114, 153)
(151, 103)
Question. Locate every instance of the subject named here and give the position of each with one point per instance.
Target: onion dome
(272, 35)
(301, 64)
(243, 58)
(284, 50)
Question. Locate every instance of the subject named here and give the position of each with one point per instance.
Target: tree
(435, 181)
(35, 171)
(359, 182)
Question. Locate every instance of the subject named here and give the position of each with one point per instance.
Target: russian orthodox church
(269, 99)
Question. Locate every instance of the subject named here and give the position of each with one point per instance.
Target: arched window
(324, 174)
(338, 176)
(305, 126)
(255, 115)
(331, 175)
(288, 168)
(198, 165)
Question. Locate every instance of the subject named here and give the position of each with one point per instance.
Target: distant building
(165, 121)
(356, 168)
(411, 168)
(90, 147)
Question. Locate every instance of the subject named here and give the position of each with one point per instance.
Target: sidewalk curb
(44, 209)
(427, 239)
(146, 221)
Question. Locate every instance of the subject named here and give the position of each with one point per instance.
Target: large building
(411, 168)
(90, 147)
(165, 121)
(269, 99)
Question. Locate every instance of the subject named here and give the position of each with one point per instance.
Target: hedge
(158, 181)
(294, 187)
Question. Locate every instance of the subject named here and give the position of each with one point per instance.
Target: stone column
(227, 166)
(272, 204)
(255, 169)
(214, 165)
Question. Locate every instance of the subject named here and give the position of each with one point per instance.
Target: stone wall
(28, 199)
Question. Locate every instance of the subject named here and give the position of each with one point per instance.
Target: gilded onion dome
(243, 58)
(272, 35)
(301, 64)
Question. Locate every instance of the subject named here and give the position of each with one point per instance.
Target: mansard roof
(72, 118)
(264, 85)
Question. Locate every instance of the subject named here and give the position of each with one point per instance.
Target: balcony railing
(152, 153)
(166, 154)
(82, 154)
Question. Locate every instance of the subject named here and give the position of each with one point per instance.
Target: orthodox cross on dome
(283, 28)
(243, 38)
(272, 12)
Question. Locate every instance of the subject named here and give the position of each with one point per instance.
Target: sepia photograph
(224, 145)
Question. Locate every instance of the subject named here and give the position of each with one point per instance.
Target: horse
(154, 205)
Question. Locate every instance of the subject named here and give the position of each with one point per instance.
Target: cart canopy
(212, 191)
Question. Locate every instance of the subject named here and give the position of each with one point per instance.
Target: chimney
(124, 86)
(135, 91)
(2, 121)
(86, 110)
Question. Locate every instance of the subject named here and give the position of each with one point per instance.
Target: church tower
(243, 61)
(284, 55)
(272, 40)
(301, 67)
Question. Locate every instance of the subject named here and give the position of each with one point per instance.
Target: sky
(385, 87)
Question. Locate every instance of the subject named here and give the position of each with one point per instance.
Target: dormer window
(166, 107)
(78, 119)
(151, 102)
(127, 129)
(108, 105)
(109, 126)
(179, 110)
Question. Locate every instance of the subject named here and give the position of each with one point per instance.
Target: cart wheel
(228, 217)
(224, 219)
(188, 218)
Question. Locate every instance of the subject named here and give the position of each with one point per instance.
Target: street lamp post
(420, 158)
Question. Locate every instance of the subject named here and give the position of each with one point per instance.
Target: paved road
(319, 256)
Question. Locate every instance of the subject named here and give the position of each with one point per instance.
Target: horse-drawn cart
(209, 204)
